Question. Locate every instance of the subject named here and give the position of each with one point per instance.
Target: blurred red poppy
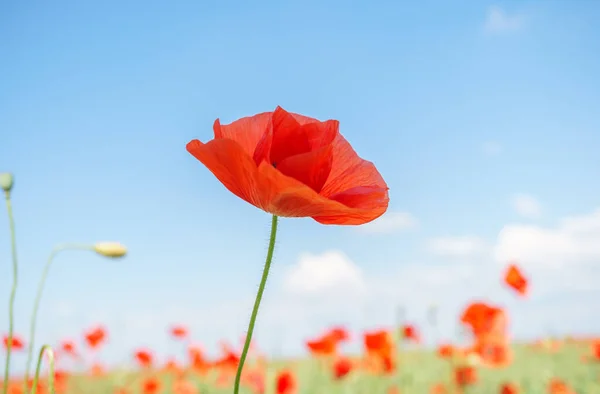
(16, 341)
(69, 347)
(322, 346)
(95, 337)
(410, 333)
(482, 318)
(465, 376)
(514, 278)
(342, 367)
(294, 166)
(286, 383)
(144, 358)
(179, 331)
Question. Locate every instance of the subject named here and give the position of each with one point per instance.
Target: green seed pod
(6, 181)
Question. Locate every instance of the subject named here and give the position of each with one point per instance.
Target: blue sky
(482, 117)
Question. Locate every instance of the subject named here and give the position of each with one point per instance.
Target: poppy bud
(6, 181)
(110, 249)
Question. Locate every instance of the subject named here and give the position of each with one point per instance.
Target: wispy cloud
(575, 240)
(526, 205)
(499, 21)
(463, 246)
(390, 222)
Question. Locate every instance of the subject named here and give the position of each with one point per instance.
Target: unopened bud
(110, 249)
(6, 181)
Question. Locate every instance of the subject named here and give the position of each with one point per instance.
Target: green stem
(44, 349)
(13, 291)
(261, 289)
(38, 298)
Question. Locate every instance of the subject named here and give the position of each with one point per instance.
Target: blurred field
(418, 371)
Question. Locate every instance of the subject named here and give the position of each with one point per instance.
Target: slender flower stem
(261, 289)
(48, 350)
(13, 291)
(38, 297)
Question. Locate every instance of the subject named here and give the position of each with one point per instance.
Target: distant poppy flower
(293, 166)
(465, 376)
(557, 386)
(509, 388)
(150, 386)
(445, 351)
(95, 336)
(198, 360)
(322, 346)
(438, 388)
(230, 358)
(596, 350)
(339, 334)
(483, 318)
(493, 353)
(388, 363)
(61, 379)
(342, 367)
(68, 347)
(285, 383)
(179, 331)
(514, 278)
(378, 342)
(410, 333)
(16, 342)
(144, 358)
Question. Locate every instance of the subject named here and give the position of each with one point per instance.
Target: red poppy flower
(16, 342)
(144, 358)
(342, 367)
(285, 383)
(514, 278)
(445, 351)
(339, 334)
(95, 337)
(410, 333)
(509, 388)
(294, 166)
(557, 386)
(465, 376)
(483, 318)
(379, 343)
(323, 346)
(151, 386)
(493, 353)
(179, 331)
(69, 347)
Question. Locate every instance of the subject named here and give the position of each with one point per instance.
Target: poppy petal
(231, 165)
(288, 197)
(310, 168)
(291, 137)
(247, 132)
(354, 181)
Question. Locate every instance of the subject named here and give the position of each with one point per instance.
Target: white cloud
(498, 21)
(526, 205)
(390, 222)
(575, 240)
(491, 148)
(457, 246)
(330, 272)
